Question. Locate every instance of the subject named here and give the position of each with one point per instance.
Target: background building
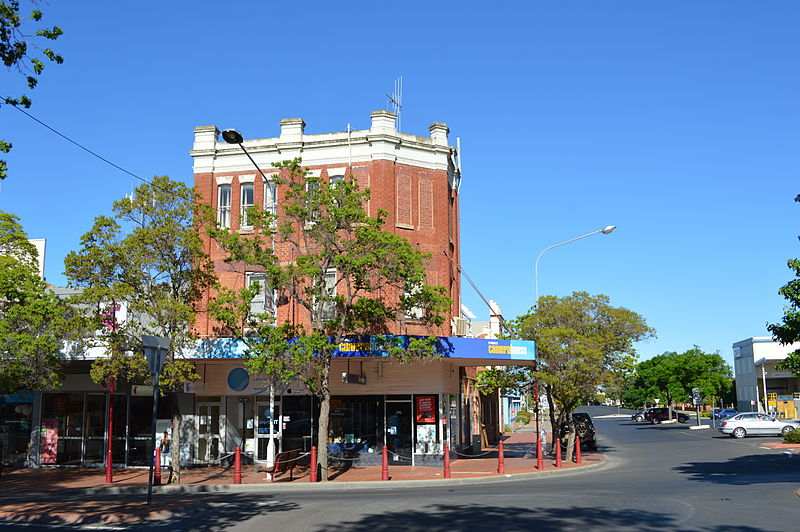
(758, 379)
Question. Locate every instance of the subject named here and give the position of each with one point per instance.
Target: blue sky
(676, 121)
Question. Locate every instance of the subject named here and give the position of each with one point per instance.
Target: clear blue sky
(677, 121)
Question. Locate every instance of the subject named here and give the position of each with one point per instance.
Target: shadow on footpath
(165, 513)
(443, 517)
(750, 469)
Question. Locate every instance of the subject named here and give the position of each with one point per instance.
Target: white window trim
(226, 209)
(243, 221)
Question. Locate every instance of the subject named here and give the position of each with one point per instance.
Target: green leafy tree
(671, 376)
(788, 331)
(148, 257)
(380, 279)
(582, 342)
(34, 323)
(19, 49)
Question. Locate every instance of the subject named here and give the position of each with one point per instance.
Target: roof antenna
(396, 99)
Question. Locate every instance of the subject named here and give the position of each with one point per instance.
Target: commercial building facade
(760, 385)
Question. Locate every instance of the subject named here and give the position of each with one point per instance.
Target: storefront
(414, 409)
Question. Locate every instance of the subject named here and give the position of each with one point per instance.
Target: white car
(755, 424)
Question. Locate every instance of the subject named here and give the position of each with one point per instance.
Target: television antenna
(395, 100)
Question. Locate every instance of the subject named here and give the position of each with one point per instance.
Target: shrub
(524, 417)
(792, 437)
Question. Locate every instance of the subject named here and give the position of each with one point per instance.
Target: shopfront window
(62, 424)
(15, 427)
(356, 420)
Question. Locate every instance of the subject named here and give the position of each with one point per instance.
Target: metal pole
(109, 456)
(153, 431)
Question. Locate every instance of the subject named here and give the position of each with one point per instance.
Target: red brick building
(415, 179)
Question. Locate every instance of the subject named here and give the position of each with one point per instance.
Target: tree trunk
(175, 478)
(322, 425)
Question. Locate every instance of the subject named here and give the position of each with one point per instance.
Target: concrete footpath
(80, 496)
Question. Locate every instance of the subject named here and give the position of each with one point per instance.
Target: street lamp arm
(606, 230)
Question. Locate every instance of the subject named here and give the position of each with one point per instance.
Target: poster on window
(49, 441)
(426, 409)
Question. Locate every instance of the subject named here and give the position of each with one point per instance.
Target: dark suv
(585, 429)
(659, 414)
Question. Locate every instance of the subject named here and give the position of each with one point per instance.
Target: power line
(81, 146)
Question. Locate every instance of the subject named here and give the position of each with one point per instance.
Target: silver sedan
(755, 424)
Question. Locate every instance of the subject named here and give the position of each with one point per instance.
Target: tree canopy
(788, 331)
(34, 323)
(149, 259)
(671, 376)
(582, 343)
(378, 284)
(20, 36)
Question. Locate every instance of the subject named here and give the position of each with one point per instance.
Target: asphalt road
(657, 477)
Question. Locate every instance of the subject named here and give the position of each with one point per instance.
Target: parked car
(639, 416)
(755, 424)
(722, 413)
(659, 414)
(585, 430)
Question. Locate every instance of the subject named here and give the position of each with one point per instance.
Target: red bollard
(157, 469)
(558, 454)
(446, 461)
(577, 449)
(237, 466)
(501, 460)
(385, 465)
(539, 459)
(312, 475)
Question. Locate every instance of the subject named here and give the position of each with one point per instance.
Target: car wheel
(786, 430)
(683, 419)
(739, 432)
(656, 421)
(638, 419)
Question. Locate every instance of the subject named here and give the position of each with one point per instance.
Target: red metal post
(446, 461)
(157, 468)
(385, 465)
(577, 449)
(558, 454)
(312, 475)
(501, 460)
(539, 459)
(109, 455)
(237, 466)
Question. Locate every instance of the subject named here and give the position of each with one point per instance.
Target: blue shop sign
(375, 346)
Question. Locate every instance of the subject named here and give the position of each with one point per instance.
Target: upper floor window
(327, 307)
(264, 300)
(224, 206)
(271, 197)
(247, 202)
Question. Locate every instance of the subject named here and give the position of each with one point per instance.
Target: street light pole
(605, 230)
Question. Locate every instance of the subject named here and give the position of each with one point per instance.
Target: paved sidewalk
(81, 496)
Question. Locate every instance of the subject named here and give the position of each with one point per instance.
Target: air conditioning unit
(460, 326)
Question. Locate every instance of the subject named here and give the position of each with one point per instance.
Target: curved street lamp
(606, 230)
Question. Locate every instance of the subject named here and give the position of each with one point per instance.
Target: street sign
(697, 399)
(155, 350)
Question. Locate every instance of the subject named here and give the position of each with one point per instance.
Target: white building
(757, 377)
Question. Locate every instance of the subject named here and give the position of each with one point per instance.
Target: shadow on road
(742, 470)
(196, 512)
(471, 517)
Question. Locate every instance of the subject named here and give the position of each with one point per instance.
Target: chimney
(384, 122)
(439, 131)
(292, 129)
(205, 137)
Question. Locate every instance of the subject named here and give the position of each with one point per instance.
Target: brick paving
(77, 495)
